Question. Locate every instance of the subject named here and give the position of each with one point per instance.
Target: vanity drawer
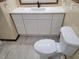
(36, 16)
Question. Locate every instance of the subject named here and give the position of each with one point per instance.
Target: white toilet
(68, 44)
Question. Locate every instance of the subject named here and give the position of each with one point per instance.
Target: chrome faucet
(38, 4)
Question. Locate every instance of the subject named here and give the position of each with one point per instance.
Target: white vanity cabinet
(38, 23)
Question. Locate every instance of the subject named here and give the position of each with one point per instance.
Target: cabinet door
(57, 23)
(38, 27)
(17, 18)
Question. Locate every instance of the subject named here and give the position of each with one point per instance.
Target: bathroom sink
(38, 9)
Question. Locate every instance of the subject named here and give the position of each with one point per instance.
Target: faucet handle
(38, 4)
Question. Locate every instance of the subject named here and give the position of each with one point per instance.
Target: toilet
(68, 44)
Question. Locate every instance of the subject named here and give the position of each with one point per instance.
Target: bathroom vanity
(36, 22)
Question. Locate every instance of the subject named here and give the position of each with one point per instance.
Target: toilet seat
(45, 46)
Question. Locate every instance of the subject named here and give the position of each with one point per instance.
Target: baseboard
(10, 39)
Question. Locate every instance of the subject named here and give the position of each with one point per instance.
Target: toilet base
(43, 57)
(57, 56)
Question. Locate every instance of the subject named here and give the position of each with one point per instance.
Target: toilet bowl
(47, 48)
(68, 44)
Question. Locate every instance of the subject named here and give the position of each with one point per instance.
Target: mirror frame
(36, 3)
(1, 0)
(77, 1)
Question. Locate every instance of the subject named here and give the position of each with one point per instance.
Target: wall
(11, 4)
(72, 19)
(7, 29)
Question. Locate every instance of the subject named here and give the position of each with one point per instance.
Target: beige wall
(11, 4)
(72, 19)
(7, 29)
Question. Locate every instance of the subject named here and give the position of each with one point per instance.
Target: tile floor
(20, 49)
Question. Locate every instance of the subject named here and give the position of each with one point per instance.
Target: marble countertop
(47, 10)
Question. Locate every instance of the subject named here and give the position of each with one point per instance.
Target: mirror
(1, 0)
(26, 2)
(77, 1)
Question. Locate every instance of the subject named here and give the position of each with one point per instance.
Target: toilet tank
(69, 41)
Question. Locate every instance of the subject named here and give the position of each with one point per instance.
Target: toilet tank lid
(70, 36)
